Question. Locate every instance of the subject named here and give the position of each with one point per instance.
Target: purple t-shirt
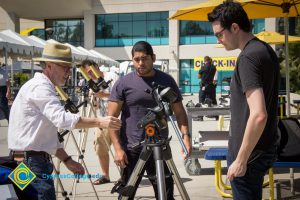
(130, 89)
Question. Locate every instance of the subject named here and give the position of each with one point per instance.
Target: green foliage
(20, 78)
(294, 63)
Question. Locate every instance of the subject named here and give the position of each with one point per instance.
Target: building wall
(27, 24)
(172, 52)
(9, 21)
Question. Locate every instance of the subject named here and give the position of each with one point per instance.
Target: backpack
(290, 140)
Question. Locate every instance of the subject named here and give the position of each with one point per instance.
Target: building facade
(112, 27)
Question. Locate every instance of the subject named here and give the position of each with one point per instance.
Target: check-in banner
(222, 63)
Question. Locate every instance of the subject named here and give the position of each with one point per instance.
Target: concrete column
(89, 30)
(9, 21)
(173, 48)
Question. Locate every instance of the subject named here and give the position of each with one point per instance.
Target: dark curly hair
(142, 46)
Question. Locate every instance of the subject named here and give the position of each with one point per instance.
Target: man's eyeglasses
(219, 34)
(143, 58)
(66, 68)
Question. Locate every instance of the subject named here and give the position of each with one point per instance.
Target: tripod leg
(84, 165)
(129, 189)
(159, 163)
(64, 193)
(175, 175)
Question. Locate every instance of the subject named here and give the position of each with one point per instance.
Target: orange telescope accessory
(150, 130)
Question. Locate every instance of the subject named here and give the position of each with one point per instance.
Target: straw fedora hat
(56, 52)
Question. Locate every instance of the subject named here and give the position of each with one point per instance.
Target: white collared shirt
(35, 115)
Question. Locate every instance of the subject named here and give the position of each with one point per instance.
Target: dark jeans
(44, 188)
(150, 168)
(249, 187)
(209, 91)
(4, 102)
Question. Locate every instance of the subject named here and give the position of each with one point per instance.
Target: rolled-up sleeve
(50, 106)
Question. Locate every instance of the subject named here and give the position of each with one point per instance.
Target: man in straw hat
(37, 113)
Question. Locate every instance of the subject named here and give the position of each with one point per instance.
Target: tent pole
(5, 58)
(32, 65)
(287, 72)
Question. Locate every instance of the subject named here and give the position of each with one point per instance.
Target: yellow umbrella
(254, 9)
(272, 38)
(276, 38)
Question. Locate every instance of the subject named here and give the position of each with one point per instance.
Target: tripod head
(164, 97)
(100, 84)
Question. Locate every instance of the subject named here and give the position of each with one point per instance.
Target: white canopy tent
(76, 53)
(91, 56)
(108, 60)
(15, 46)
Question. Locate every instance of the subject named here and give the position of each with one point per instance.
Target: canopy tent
(76, 53)
(91, 56)
(15, 43)
(37, 46)
(254, 9)
(109, 61)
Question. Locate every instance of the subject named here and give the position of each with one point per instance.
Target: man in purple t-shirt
(128, 95)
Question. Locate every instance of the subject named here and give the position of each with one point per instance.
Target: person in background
(206, 74)
(129, 97)
(253, 136)
(102, 140)
(207, 92)
(5, 91)
(37, 113)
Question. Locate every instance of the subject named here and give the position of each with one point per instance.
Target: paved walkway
(198, 187)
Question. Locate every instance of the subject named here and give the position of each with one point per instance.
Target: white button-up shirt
(35, 115)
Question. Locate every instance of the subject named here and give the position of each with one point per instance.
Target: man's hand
(187, 143)
(110, 122)
(74, 167)
(236, 169)
(121, 158)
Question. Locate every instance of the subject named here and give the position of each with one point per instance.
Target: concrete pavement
(198, 187)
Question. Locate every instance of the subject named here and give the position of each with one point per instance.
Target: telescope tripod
(161, 153)
(80, 152)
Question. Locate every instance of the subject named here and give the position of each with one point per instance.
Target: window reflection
(66, 31)
(126, 29)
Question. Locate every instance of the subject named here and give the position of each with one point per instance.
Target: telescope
(69, 105)
(164, 97)
(100, 84)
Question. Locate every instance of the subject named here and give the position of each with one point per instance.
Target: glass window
(153, 29)
(139, 16)
(38, 33)
(258, 25)
(127, 28)
(164, 15)
(153, 16)
(111, 17)
(110, 30)
(196, 32)
(66, 30)
(164, 29)
(139, 29)
(125, 17)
